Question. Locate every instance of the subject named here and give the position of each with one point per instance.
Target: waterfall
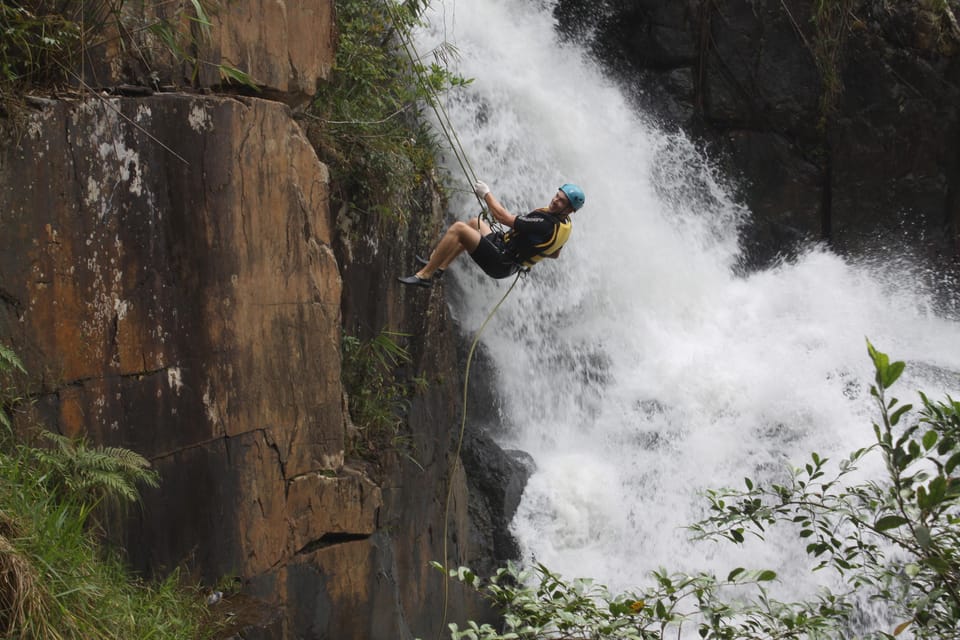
(639, 369)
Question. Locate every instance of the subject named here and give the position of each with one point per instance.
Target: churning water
(639, 369)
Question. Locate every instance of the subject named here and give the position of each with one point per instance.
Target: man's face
(559, 203)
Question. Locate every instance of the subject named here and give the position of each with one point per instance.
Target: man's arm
(500, 214)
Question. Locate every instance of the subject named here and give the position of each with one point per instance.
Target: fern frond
(95, 473)
(10, 360)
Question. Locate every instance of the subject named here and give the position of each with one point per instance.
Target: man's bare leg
(459, 237)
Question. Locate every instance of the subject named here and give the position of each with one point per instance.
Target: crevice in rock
(331, 539)
(10, 300)
(204, 443)
(272, 443)
(54, 388)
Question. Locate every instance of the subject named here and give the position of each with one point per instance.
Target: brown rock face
(286, 47)
(178, 293)
(166, 272)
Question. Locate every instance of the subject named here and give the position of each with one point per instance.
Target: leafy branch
(537, 604)
(898, 537)
(895, 539)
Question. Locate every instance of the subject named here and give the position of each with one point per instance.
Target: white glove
(481, 189)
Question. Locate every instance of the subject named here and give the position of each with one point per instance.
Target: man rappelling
(532, 237)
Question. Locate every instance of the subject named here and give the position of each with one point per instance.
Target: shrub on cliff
(45, 42)
(895, 540)
(368, 122)
(377, 398)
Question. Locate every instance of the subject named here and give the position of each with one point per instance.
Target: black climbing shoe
(423, 262)
(416, 281)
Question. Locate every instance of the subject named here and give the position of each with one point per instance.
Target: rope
(456, 458)
(443, 118)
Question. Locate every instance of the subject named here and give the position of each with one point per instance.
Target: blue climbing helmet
(574, 195)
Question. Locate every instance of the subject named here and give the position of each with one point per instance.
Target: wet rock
(496, 479)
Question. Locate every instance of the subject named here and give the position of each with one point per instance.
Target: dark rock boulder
(496, 479)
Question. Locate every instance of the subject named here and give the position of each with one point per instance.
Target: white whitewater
(638, 369)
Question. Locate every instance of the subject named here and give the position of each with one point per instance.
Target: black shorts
(491, 256)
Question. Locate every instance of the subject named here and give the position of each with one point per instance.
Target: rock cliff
(173, 276)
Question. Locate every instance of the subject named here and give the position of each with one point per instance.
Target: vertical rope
(456, 457)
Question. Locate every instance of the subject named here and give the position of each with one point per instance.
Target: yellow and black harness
(529, 255)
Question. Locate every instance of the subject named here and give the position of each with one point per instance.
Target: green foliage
(895, 540)
(832, 23)
(44, 41)
(10, 365)
(539, 605)
(378, 400)
(370, 128)
(185, 47)
(93, 474)
(34, 43)
(56, 581)
(59, 583)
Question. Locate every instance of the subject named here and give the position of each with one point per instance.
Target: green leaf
(929, 439)
(892, 373)
(9, 360)
(938, 490)
(661, 610)
(922, 500)
(947, 444)
(766, 575)
(952, 463)
(236, 75)
(733, 574)
(879, 359)
(201, 13)
(895, 417)
(890, 522)
(923, 536)
(914, 449)
(937, 563)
